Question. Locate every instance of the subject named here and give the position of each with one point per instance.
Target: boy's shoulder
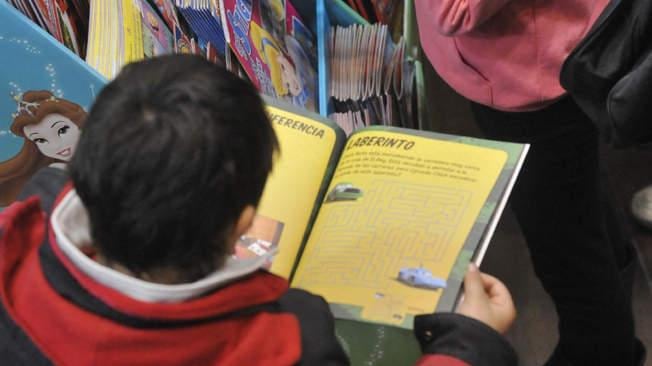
(46, 183)
(305, 305)
(319, 343)
(22, 228)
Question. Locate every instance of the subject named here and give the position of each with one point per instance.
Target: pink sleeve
(440, 360)
(453, 17)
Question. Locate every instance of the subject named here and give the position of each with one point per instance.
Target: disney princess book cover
(275, 48)
(45, 92)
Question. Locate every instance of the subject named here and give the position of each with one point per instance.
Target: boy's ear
(242, 224)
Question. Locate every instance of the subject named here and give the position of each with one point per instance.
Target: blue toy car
(420, 277)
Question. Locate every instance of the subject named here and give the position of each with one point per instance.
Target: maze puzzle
(364, 243)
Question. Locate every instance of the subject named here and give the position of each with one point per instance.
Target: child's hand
(487, 300)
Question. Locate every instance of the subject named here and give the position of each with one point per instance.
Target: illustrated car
(420, 277)
(344, 192)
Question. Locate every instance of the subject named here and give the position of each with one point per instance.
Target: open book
(383, 223)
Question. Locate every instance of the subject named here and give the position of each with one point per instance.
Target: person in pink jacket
(505, 57)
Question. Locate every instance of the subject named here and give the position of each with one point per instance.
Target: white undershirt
(71, 227)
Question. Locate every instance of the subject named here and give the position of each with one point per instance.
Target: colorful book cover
(69, 34)
(157, 38)
(167, 9)
(43, 103)
(275, 48)
(182, 43)
(205, 19)
(44, 8)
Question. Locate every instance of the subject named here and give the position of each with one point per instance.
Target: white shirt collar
(71, 227)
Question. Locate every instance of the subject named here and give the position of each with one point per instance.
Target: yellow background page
(419, 200)
(293, 186)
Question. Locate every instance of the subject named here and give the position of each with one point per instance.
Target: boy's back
(66, 316)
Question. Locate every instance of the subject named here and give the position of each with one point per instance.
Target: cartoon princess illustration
(50, 127)
(288, 76)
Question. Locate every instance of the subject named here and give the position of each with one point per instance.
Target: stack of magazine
(125, 31)
(118, 32)
(67, 21)
(129, 30)
(371, 82)
(285, 51)
(203, 18)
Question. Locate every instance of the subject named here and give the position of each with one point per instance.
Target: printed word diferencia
(382, 142)
(298, 125)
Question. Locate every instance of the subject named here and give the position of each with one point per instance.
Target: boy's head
(171, 163)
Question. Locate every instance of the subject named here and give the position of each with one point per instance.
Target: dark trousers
(577, 243)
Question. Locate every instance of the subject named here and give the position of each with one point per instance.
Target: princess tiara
(28, 107)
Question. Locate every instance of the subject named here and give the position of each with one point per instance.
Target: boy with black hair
(135, 266)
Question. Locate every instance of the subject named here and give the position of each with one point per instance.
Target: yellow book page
(92, 56)
(103, 44)
(117, 56)
(133, 42)
(139, 49)
(127, 29)
(106, 33)
(291, 191)
(397, 203)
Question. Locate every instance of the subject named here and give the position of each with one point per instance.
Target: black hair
(173, 150)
